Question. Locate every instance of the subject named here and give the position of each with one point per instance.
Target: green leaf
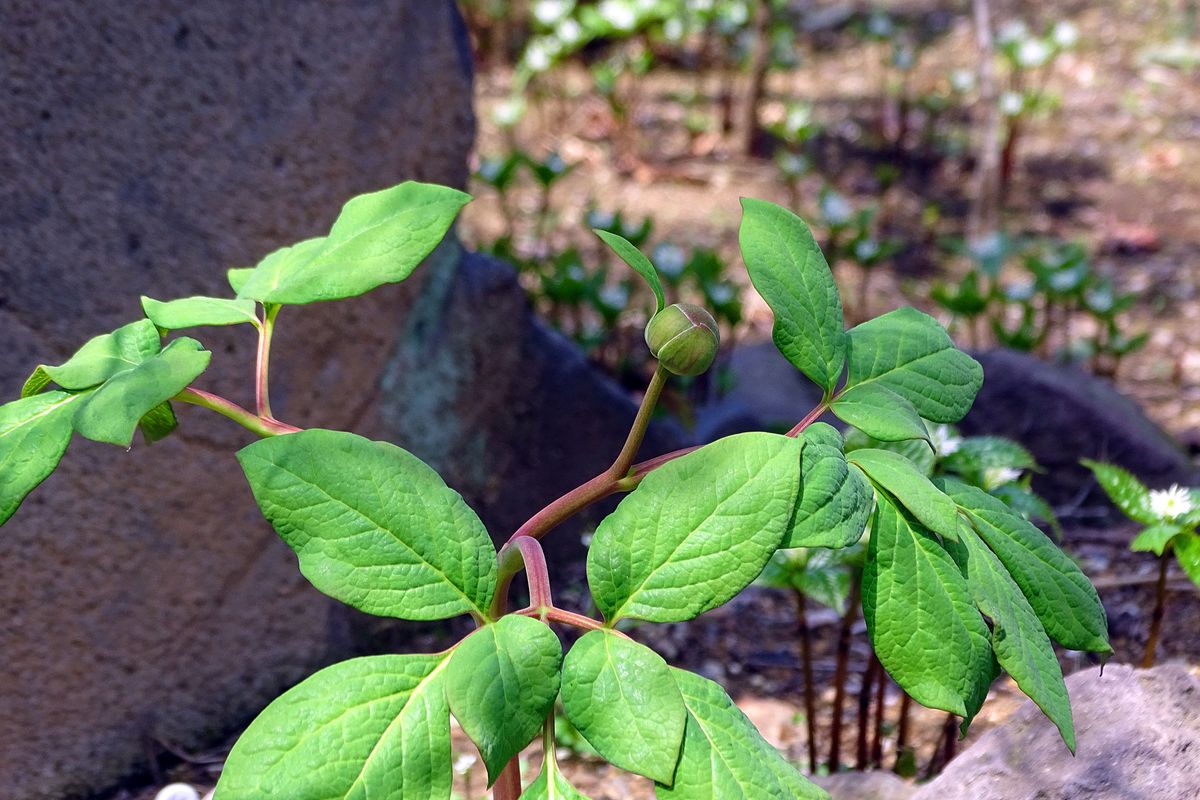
(501, 684)
(111, 413)
(879, 412)
(237, 278)
(373, 525)
(975, 454)
(376, 727)
(1019, 640)
(158, 423)
(1155, 538)
(34, 434)
(917, 451)
(901, 479)
(1126, 492)
(378, 238)
(817, 573)
(192, 312)
(724, 756)
(834, 501)
(696, 531)
(636, 261)
(99, 359)
(911, 354)
(788, 269)
(622, 698)
(923, 625)
(1187, 553)
(551, 785)
(1063, 598)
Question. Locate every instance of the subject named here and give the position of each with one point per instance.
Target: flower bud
(684, 338)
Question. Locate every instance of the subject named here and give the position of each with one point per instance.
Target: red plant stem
(810, 697)
(839, 675)
(1160, 609)
(561, 615)
(809, 419)
(862, 754)
(508, 785)
(523, 551)
(902, 728)
(880, 700)
(262, 394)
(227, 408)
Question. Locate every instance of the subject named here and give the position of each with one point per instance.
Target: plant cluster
(1057, 288)
(955, 585)
(1169, 519)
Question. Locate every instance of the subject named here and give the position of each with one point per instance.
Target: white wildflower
(1033, 53)
(944, 440)
(670, 259)
(1012, 31)
(621, 15)
(464, 762)
(509, 112)
(177, 791)
(548, 12)
(540, 53)
(569, 32)
(995, 477)
(836, 209)
(1012, 103)
(962, 80)
(1169, 504)
(1065, 34)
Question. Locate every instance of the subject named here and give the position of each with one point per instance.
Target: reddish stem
(508, 785)
(555, 614)
(230, 409)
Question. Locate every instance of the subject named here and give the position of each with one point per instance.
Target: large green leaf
(1019, 640)
(724, 757)
(501, 684)
(1063, 598)
(788, 269)
(378, 238)
(1126, 492)
(879, 412)
(900, 478)
(636, 261)
(911, 354)
(99, 359)
(112, 412)
(193, 312)
(922, 622)
(834, 501)
(696, 531)
(373, 525)
(622, 698)
(34, 434)
(375, 727)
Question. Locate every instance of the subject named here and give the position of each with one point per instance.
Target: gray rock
(1138, 739)
(767, 393)
(1062, 415)
(866, 786)
(145, 147)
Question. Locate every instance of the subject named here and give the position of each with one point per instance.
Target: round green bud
(684, 338)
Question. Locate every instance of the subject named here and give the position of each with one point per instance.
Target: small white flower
(674, 29)
(670, 259)
(539, 54)
(995, 477)
(962, 80)
(1012, 103)
(1012, 31)
(1033, 53)
(1065, 34)
(945, 441)
(569, 32)
(1172, 503)
(792, 164)
(548, 12)
(509, 112)
(464, 762)
(621, 15)
(837, 209)
(177, 791)
(614, 296)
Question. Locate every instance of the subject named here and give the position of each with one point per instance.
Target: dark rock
(1138, 739)
(146, 147)
(1062, 415)
(767, 393)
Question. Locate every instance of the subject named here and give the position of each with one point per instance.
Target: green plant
(1169, 520)
(376, 528)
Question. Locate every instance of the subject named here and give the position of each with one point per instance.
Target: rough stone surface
(1063, 415)
(867, 786)
(1138, 736)
(145, 147)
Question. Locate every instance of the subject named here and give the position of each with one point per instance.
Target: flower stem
(227, 408)
(523, 551)
(1160, 608)
(262, 394)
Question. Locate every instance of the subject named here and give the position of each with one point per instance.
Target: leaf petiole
(227, 408)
